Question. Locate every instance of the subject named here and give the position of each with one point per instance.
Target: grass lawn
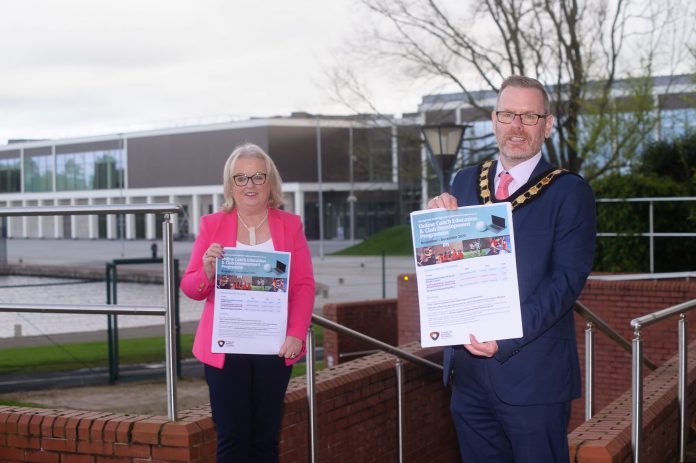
(394, 241)
(73, 356)
(65, 357)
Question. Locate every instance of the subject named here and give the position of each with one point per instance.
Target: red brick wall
(356, 408)
(408, 317)
(70, 436)
(607, 437)
(357, 413)
(357, 403)
(376, 319)
(617, 303)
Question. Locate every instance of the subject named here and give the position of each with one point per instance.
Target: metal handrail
(637, 374)
(610, 332)
(651, 318)
(643, 276)
(91, 309)
(311, 380)
(592, 321)
(165, 310)
(90, 209)
(326, 323)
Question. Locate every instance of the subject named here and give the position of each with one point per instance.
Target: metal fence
(639, 360)
(165, 310)
(650, 234)
(637, 374)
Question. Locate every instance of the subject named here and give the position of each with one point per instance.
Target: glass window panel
(9, 175)
(38, 173)
(101, 169)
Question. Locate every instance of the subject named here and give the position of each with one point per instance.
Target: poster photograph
(467, 274)
(251, 302)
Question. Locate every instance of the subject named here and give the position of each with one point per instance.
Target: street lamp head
(443, 143)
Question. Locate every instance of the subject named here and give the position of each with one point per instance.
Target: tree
(580, 49)
(674, 159)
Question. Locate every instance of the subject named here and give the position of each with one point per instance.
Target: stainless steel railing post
(637, 388)
(400, 407)
(651, 221)
(311, 395)
(398, 353)
(169, 335)
(682, 387)
(589, 370)
(166, 310)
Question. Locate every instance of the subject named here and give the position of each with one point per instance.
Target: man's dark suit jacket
(554, 245)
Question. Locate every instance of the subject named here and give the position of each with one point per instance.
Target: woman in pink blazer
(247, 391)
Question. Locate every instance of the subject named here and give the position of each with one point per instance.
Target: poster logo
(221, 343)
(434, 335)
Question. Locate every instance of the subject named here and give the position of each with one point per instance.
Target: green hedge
(632, 253)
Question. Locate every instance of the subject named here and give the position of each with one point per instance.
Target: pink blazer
(287, 233)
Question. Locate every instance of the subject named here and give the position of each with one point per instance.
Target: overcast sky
(83, 67)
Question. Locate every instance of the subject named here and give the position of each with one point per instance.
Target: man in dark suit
(511, 397)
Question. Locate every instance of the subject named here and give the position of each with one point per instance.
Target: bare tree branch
(580, 49)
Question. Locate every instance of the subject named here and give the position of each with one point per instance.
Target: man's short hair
(525, 82)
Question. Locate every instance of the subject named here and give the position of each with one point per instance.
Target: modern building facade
(673, 98)
(346, 170)
(348, 177)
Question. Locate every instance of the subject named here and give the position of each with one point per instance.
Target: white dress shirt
(520, 173)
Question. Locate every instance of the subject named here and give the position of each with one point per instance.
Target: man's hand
(445, 200)
(482, 349)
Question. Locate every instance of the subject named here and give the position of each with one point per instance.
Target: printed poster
(251, 302)
(467, 274)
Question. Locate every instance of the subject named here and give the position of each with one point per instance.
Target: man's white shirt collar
(520, 173)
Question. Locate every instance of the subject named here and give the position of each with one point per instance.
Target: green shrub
(631, 253)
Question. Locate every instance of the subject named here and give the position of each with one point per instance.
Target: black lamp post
(443, 143)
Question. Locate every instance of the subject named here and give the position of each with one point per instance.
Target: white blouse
(265, 246)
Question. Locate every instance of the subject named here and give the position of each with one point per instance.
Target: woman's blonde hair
(249, 150)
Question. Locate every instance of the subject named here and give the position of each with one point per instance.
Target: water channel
(29, 289)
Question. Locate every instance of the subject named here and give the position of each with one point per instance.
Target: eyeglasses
(259, 178)
(506, 117)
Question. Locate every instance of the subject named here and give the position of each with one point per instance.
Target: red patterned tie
(502, 191)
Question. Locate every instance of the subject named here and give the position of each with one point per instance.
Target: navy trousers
(492, 431)
(246, 399)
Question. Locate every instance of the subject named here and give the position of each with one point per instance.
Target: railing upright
(311, 381)
(400, 407)
(637, 375)
(595, 323)
(682, 387)
(312, 395)
(652, 235)
(165, 310)
(589, 370)
(169, 325)
(637, 391)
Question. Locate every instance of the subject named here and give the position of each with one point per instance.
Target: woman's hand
(291, 348)
(445, 200)
(209, 258)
